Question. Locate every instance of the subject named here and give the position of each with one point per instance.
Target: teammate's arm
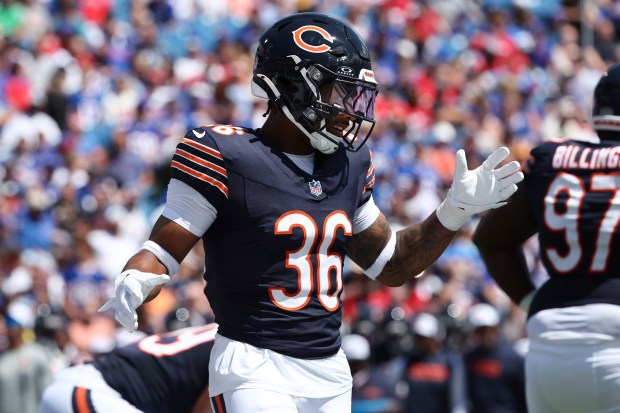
(499, 237)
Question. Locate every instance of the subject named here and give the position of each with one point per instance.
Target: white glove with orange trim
(475, 191)
(131, 289)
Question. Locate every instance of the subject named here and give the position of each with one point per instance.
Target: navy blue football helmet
(317, 70)
(606, 105)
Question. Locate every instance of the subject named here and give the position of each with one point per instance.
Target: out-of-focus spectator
(109, 243)
(192, 309)
(86, 287)
(37, 223)
(434, 377)
(370, 392)
(495, 371)
(50, 329)
(24, 370)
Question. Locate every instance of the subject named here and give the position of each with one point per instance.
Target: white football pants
(247, 379)
(573, 363)
(264, 401)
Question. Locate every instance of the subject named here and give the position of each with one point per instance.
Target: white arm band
(163, 256)
(365, 216)
(375, 269)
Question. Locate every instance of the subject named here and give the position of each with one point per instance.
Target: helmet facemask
(345, 108)
(330, 109)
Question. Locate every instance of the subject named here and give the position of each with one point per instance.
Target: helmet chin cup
(322, 144)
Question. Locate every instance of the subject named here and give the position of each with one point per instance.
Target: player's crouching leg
(82, 389)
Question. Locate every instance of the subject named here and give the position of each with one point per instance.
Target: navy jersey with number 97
(573, 189)
(578, 184)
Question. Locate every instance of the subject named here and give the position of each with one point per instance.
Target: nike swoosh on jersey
(199, 135)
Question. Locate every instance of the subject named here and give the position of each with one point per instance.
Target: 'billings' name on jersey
(578, 157)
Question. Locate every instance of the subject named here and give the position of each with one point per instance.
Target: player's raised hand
(480, 189)
(131, 289)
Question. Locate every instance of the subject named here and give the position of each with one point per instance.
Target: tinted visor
(354, 97)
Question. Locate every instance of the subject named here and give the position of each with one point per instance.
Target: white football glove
(131, 289)
(475, 191)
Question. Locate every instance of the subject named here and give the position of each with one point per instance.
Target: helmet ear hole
(288, 85)
(291, 91)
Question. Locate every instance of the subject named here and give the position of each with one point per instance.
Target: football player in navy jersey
(278, 208)
(161, 373)
(571, 198)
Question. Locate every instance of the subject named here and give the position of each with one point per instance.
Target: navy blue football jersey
(274, 255)
(163, 372)
(573, 190)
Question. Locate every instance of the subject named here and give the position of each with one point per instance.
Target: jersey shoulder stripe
(203, 177)
(203, 148)
(370, 176)
(198, 163)
(204, 162)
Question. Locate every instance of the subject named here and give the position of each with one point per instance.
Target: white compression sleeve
(365, 216)
(188, 208)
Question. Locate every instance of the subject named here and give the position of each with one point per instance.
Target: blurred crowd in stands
(95, 94)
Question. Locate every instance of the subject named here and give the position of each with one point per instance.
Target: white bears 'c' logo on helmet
(308, 47)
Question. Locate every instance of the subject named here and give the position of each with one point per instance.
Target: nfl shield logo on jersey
(315, 188)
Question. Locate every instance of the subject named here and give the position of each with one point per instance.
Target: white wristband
(450, 216)
(375, 269)
(163, 256)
